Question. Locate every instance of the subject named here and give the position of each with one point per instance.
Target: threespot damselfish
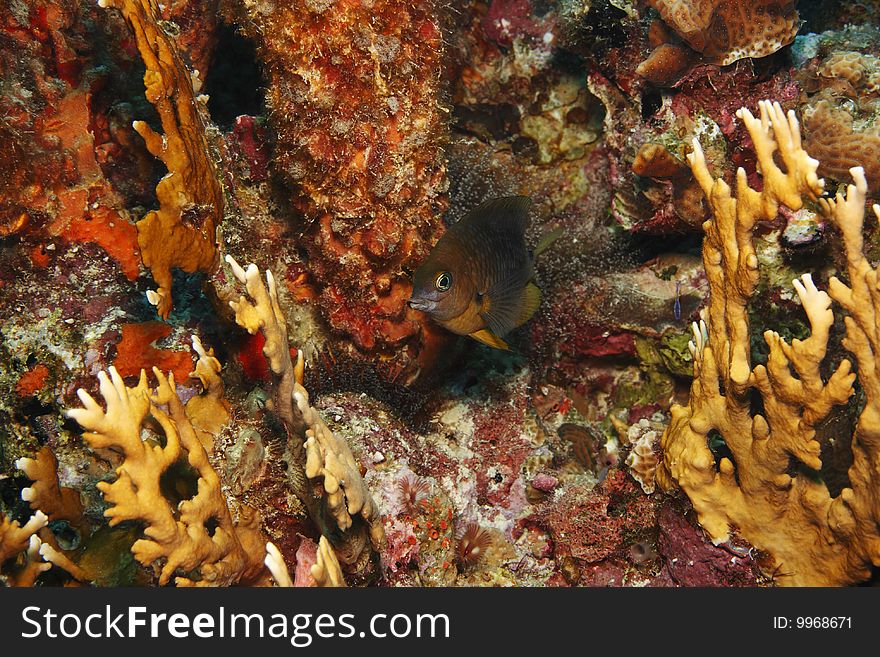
(478, 279)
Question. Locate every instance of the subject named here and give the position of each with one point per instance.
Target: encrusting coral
(840, 118)
(642, 460)
(182, 232)
(198, 535)
(317, 456)
(721, 32)
(812, 537)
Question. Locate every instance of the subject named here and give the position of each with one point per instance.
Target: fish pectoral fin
(531, 301)
(488, 338)
(505, 309)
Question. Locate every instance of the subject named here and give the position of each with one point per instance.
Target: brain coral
(835, 139)
(840, 118)
(727, 31)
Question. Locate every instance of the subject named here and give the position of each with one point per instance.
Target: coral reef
(369, 446)
(812, 537)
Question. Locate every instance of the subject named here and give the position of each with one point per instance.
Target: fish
(479, 278)
(676, 307)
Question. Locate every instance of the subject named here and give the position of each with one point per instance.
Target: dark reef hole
(211, 525)
(873, 580)
(30, 410)
(119, 98)
(179, 483)
(720, 450)
(652, 101)
(797, 468)
(68, 537)
(235, 83)
(835, 436)
(329, 372)
(644, 247)
(756, 403)
(598, 30)
(820, 15)
(11, 503)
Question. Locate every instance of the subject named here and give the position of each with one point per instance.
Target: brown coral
(355, 93)
(840, 115)
(832, 136)
(717, 32)
(860, 70)
(182, 232)
(677, 183)
(814, 538)
(642, 460)
(198, 535)
(724, 31)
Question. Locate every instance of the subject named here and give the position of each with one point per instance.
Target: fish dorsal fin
(505, 307)
(547, 240)
(487, 337)
(513, 210)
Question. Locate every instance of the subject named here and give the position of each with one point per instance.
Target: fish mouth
(422, 304)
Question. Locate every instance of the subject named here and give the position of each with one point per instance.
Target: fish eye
(444, 281)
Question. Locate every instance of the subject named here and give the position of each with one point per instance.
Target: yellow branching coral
(274, 562)
(813, 538)
(317, 454)
(182, 232)
(208, 412)
(329, 459)
(18, 539)
(198, 535)
(326, 570)
(46, 493)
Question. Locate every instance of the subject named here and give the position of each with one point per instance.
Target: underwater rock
(690, 560)
(359, 145)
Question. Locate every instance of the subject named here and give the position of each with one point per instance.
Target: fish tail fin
(547, 240)
(531, 299)
(488, 338)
